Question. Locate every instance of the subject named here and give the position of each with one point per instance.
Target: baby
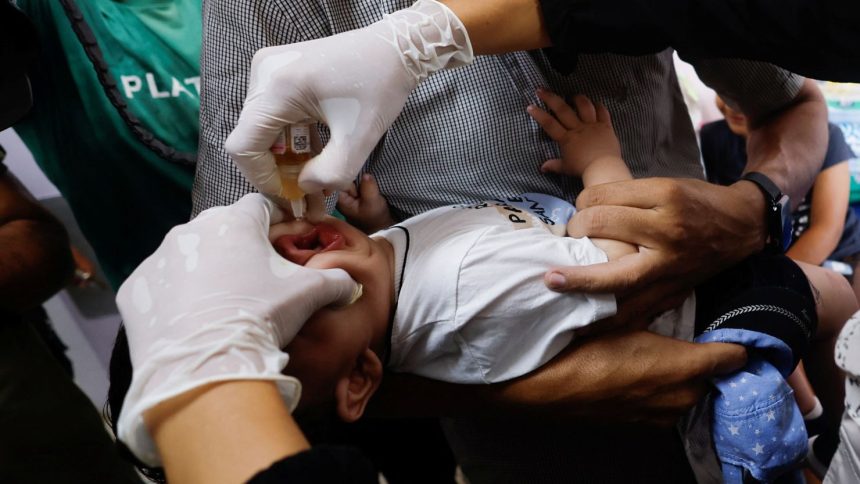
(457, 293)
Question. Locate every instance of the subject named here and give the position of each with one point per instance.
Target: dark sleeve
(321, 464)
(838, 150)
(709, 141)
(815, 38)
(722, 154)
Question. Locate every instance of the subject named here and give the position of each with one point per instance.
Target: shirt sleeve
(838, 150)
(812, 37)
(320, 464)
(755, 88)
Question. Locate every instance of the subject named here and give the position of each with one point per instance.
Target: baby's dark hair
(120, 381)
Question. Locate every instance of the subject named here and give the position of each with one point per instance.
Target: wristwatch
(777, 213)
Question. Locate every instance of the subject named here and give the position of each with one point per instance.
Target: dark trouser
(529, 451)
(49, 430)
(405, 451)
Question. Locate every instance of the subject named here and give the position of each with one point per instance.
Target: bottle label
(300, 138)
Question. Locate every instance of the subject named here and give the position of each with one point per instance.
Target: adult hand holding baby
(216, 303)
(686, 230)
(356, 82)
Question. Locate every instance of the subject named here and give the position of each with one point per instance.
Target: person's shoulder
(838, 150)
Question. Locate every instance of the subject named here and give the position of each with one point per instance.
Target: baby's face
(329, 344)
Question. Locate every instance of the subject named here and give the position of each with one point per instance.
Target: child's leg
(835, 302)
(803, 392)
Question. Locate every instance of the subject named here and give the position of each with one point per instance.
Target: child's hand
(365, 208)
(584, 135)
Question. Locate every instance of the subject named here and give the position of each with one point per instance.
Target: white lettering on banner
(194, 81)
(178, 89)
(132, 84)
(153, 87)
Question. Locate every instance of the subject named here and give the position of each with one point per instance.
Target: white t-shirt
(472, 306)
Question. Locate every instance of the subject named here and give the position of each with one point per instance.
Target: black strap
(94, 53)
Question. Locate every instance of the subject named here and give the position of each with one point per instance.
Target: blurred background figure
(114, 118)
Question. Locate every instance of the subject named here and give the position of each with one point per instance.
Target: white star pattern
(757, 431)
(758, 449)
(754, 392)
(771, 416)
(744, 380)
(734, 429)
(733, 385)
(741, 398)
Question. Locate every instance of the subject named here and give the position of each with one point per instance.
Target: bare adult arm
(630, 376)
(35, 261)
(500, 26)
(225, 432)
(815, 38)
(788, 146)
(826, 217)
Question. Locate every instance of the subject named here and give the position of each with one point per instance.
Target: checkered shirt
(464, 134)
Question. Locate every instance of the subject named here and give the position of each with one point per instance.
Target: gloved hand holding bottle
(356, 82)
(214, 303)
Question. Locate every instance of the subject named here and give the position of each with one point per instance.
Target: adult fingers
(623, 275)
(585, 108)
(714, 359)
(634, 225)
(642, 193)
(306, 291)
(248, 144)
(560, 108)
(316, 207)
(550, 125)
(260, 209)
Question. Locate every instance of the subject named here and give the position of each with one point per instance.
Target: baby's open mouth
(300, 248)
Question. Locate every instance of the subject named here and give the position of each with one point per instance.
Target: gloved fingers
(332, 169)
(316, 207)
(249, 145)
(289, 227)
(320, 288)
(259, 209)
(355, 131)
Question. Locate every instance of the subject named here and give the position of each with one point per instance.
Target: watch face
(785, 218)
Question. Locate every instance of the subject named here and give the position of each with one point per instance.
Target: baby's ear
(353, 391)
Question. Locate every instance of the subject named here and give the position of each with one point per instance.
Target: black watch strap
(765, 184)
(773, 214)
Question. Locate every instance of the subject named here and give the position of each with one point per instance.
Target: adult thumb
(721, 358)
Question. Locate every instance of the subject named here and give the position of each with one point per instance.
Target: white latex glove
(356, 82)
(215, 302)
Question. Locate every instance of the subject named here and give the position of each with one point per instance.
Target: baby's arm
(365, 208)
(589, 149)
